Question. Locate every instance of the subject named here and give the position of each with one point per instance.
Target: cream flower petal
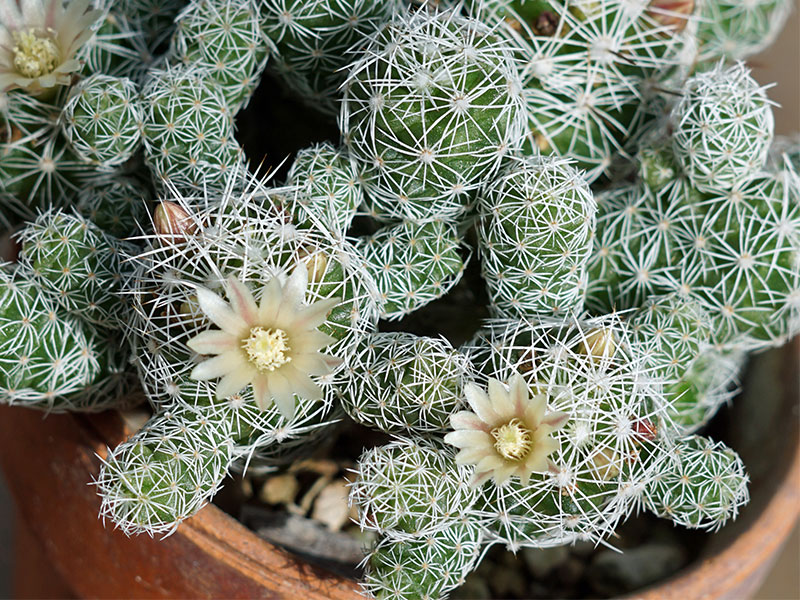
(504, 473)
(519, 393)
(312, 363)
(535, 410)
(33, 12)
(261, 393)
(217, 366)
(467, 420)
(10, 15)
(501, 401)
(282, 395)
(468, 438)
(213, 342)
(294, 292)
(274, 345)
(490, 463)
(242, 301)
(508, 436)
(270, 301)
(315, 315)
(480, 403)
(555, 420)
(479, 479)
(302, 384)
(218, 311)
(234, 381)
(470, 456)
(310, 340)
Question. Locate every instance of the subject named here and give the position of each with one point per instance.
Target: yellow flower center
(512, 440)
(267, 348)
(34, 55)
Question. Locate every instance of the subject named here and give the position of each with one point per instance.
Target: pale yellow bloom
(274, 345)
(507, 434)
(39, 40)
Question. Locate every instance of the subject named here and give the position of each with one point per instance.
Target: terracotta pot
(50, 462)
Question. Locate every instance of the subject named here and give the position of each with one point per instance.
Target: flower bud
(172, 221)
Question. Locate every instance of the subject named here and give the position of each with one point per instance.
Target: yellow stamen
(34, 55)
(267, 348)
(512, 440)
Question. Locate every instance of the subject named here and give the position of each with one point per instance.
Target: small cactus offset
(103, 120)
(78, 266)
(506, 290)
(401, 382)
(330, 189)
(413, 264)
(315, 41)
(224, 39)
(702, 485)
(723, 128)
(536, 222)
(188, 130)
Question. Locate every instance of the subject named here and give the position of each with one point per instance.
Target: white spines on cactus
(36, 174)
(401, 382)
(103, 120)
(413, 264)
(734, 252)
(723, 127)
(315, 41)
(188, 129)
(605, 453)
(675, 334)
(428, 566)
(214, 267)
(735, 30)
(430, 109)
(589, 69)
(329, 188)
(268, 246)
(51, 360)
(701, 485)
(410, 487)
(535, 230)
(223, 38)
(116, 203)
(167, 471)
(117, 47)
(77, 265)
(155, 19)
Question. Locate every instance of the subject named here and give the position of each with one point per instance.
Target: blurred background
(780, 63)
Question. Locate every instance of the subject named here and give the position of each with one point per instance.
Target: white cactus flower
(39, 40)
(273, 345)
(507, 434)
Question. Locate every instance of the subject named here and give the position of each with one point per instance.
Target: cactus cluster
(596, 183)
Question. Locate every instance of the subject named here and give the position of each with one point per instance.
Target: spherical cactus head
(315, 41)
(188, 132)
(78, 266)
(736, 30)
(430, 110)
(224, 39)
(723, 127)
(535, 233)
(329, 188)
(702, 485)
(410, 487)
(103, 120)
(428, 566)
(400, 382)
